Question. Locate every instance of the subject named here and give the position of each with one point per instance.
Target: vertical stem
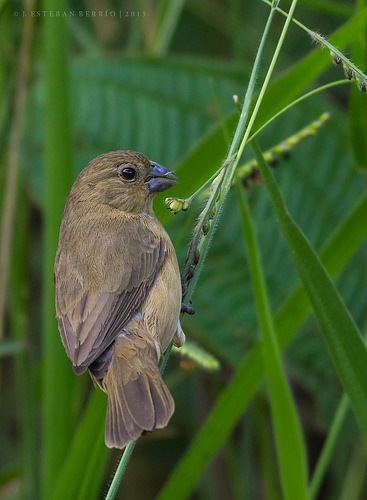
(329, 447)
(57, 377)
(225, 177)
(119, 474)
(27, 406)
(9, 205)
(251, 87)
(169, 15)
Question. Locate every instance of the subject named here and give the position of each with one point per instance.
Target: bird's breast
(162, 307)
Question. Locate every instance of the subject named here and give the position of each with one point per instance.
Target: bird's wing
(89, 321)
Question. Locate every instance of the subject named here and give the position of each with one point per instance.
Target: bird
(118, 289)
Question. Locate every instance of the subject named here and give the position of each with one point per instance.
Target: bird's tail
(138, 399)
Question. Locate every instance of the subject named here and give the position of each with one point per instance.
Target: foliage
(143, 83)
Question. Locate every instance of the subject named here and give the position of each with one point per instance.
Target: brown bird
(118, 289)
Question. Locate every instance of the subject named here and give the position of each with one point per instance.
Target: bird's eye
(128, 173)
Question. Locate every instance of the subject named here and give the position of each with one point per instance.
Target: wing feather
(90, 320)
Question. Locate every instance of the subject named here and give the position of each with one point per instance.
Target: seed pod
(349, 73)
(177, 205)
(196, 256)
(335, 58)
(212, 213)
(190, 272)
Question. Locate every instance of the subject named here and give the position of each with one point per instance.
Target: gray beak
(160, 178)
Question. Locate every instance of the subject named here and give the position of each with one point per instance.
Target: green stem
(242, 168)
(27, 386)
(251, 87)
(126, 456)
(170, 11)
(119, 474)
(213, 198)
(9, 202)
(329, 447)
(297, 101)
(336, 53)
(266, 81)
(222, 181)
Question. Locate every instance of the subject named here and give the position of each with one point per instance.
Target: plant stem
(120, 471)
(297, 101)
(251, 87)
(329, 447)
(125, 458)
(9, 202)
(231, 164)
(169, 15)
(200, 242)
(27, 401)
(355, 72)
(267, 80)
(245, 169)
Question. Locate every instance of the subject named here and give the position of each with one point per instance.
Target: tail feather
(139, 402)
(163, 403)
(138, 398)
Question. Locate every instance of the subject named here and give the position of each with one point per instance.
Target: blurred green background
(158, 77)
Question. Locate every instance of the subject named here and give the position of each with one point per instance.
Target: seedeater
(118, 289)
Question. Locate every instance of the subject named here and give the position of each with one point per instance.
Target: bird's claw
(188, 309)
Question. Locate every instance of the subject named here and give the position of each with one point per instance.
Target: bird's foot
(188, 309)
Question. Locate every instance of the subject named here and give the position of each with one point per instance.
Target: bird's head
(126, 180)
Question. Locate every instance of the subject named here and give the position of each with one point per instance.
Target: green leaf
(233, 328)
(58, 379)
(236, 397)
(340, 332)
(328, 449)
(287, 428)
(83, 469)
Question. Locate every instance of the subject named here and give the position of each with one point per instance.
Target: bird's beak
(160, 178)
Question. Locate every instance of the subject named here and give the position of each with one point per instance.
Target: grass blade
(169, 15)
(236, 397)
(27, 383)
(9, 201)
(340, 333)
(80, 469)
(58, 378)
(287, 429)
(329, 447)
